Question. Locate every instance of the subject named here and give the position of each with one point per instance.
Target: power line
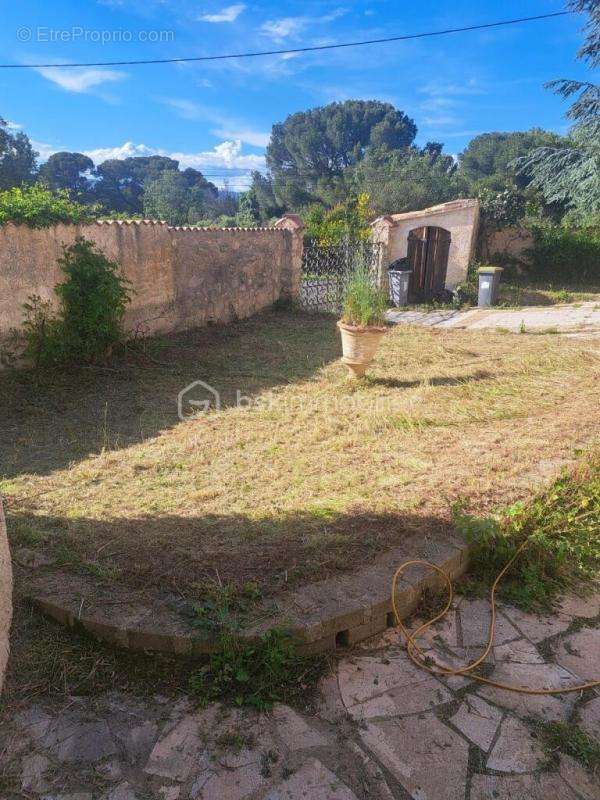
(294, 50)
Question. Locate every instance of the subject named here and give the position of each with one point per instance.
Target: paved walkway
(384, 729)
(562, 318)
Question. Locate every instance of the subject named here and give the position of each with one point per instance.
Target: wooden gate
(428, 259)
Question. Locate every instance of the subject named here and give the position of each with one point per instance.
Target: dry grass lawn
(313, 474)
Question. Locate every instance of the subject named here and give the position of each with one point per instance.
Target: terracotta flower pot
(359, 346)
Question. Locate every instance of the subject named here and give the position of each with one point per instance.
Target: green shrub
(92, 299)
(562, 526)
(347, 221)
(364, 302)
(39, 207)
(562, 254)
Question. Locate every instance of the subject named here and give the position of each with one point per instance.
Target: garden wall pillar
(381, 231)
(291, 275)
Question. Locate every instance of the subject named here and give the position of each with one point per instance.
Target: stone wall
(459, 217)
(5, 596)
(181, 277)
(496, 245)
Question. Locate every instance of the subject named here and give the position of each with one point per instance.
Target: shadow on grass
(442, 380)
(53, 418)
(173, 561)
(157, 556)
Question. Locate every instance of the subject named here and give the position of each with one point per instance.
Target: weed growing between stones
(257, 673)
(224, 606)
(562, 525)
(567, 738)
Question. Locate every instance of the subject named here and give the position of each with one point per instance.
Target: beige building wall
(5, 596)
(459, 217)
(181, 277)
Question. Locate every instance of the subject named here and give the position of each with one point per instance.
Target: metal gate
(428, 259)
(326, 270)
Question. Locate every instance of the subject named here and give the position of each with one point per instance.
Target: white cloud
(441, 89)
(80, 80)
(185, 108)
(227, 14)
(227, 157)
(280, 29)
(45, 150)
(226, 128)
(441, 119)
(255, 138)
(285, 27)
(226, 154)
(125, 150)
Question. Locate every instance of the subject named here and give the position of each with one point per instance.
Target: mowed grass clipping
(306, 474)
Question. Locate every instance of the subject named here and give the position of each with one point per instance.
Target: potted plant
(362, 324)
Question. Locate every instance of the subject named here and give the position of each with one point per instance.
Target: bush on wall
(39, 207)
(89, 323)
(565, 254)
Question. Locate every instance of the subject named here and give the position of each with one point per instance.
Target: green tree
(571, 174)
(120, 184)
(170, 197)
(264, 193)
(488, 159)
(17, 158)
(248, 214)
(399, 181)
(310, 151)
(38, 207)
(68, 171)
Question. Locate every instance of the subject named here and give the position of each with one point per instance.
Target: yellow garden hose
(419, 658)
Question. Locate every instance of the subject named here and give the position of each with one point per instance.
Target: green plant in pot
(362, 324)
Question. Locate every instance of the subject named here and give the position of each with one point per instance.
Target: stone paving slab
(559, 318)
(516, 749)
(520, 787)
(588, 717)
(478, 721)
(312, 782)
(383, 730)
(536, 627)
(585, 785)
(424, 755)
(475, 618)
(543, 676)
(377, 687)
(580, 653)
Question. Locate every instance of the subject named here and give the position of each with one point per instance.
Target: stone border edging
(325, 615)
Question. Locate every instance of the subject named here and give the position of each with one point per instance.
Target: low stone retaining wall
(324, 616)
(5, 596)
(181, 277)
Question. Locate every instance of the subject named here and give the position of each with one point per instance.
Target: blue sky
(217, 116)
